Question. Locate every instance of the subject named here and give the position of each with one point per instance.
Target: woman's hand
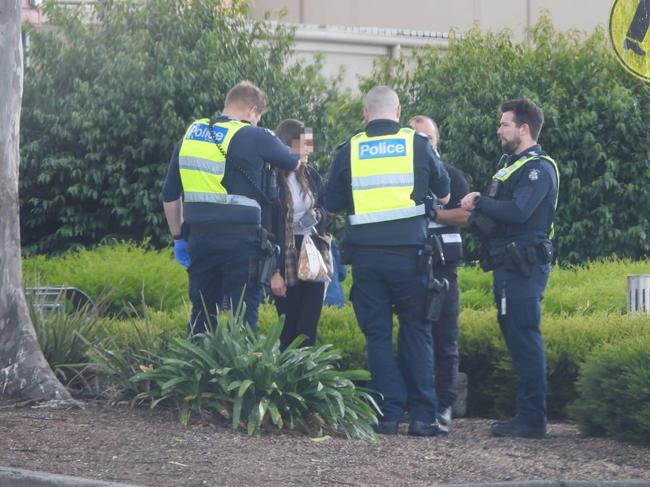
(278, 286)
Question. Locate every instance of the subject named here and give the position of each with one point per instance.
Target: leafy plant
(119, 356)
(249, 381)
(65, 337)
(105, 102)
(614, 392)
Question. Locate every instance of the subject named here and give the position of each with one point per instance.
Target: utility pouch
(270, 183)
(424, 261)
(268, 261)
(437, 291)
(514, 257)
(545, 252)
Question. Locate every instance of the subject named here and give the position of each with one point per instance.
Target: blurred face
(426, 127)
(303, 146)
(509, 134)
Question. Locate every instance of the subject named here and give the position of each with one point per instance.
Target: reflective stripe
(200, 164)
(222, 199)
(382, 181)
(386, 215)
(436, 225)
(451, 238)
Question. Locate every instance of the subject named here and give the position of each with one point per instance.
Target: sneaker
(422, 428)
(387, 427)
(515, 429)
(444, 416)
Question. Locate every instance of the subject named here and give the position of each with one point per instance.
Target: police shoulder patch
(533, 174)
(270, 132)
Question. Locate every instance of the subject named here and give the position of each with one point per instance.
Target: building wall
(434, 18)
(440, 15)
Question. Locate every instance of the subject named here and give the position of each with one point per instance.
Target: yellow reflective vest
(202, 163)
(504, 174)
(382, 177)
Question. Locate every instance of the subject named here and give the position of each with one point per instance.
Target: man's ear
(365, 114)
(398, 113)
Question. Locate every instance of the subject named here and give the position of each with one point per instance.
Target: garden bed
(150, 448)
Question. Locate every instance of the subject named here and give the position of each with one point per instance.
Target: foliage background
(106, 101)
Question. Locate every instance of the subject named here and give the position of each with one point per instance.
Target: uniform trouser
(383, 281)
(445, 342)
(520, 319)
(223, 267)
(301, 309)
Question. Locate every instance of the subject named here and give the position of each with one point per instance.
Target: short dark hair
(245, 94)
(525, 111)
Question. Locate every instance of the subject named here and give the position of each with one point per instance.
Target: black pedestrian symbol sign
(629, 22)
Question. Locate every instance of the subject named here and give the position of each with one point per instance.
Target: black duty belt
(225, 228)
(403, 250)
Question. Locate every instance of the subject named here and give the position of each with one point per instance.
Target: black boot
(422, 428)
(516, 429)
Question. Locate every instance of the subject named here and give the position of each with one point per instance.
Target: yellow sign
(628, 30)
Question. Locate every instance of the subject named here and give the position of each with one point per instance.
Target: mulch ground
(151, 448)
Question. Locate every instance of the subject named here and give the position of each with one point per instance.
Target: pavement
(15, 477)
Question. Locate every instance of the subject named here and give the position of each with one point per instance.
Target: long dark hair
(288, 131)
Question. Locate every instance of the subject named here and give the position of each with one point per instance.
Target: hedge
(614, 391)
(105, 102)
(583, 311)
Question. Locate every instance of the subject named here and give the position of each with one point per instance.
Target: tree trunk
(24, 372)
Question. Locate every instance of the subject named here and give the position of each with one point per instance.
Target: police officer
(445, 223)
(521, 202)
(218, 169)
(381, 177)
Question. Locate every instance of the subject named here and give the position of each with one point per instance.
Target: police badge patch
(533, 175)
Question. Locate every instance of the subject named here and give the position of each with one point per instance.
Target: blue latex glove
(181, 254)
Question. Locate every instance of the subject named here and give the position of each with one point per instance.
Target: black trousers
(445, 341)
(301, 309)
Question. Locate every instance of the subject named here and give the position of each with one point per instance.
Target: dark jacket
(279, 212)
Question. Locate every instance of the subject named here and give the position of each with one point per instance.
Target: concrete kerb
(556, 483)
(15, 477)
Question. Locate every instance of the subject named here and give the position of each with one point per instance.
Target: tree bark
(24, 372)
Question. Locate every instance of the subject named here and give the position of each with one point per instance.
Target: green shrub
(247, 379)
(614, 391)
(64, 338)
(596, 122)
(125, 274)
(568, 338)
(105, 102)
(130, 347)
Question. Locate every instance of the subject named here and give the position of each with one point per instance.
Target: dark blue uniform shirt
(249, 149)
(429, 174)
(525, 206)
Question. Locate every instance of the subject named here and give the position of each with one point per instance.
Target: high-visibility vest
(505, 172)
(382, 177)
(202, 164)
